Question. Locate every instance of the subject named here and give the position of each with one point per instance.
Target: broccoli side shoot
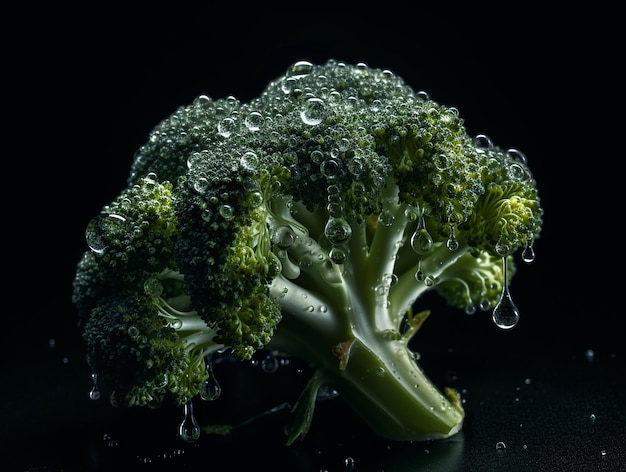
(308, 222)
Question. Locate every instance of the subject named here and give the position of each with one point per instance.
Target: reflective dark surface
(549, 411)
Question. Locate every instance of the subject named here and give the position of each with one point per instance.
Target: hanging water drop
(419, 275)
(189, 430)
(94, 393)
(452, 242)
(528, 254)
(211, 389)
(505, 314)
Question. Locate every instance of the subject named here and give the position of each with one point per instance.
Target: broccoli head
(307, 221)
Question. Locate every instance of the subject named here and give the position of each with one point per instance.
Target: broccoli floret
(309, 222)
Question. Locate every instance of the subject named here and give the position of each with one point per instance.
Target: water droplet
(189, 430)
(299, 69)
(314, 111)
(386, 218)
(500, 446)
(482, 141)
(94, 393)
(592, 418)
(349, 462)
(421, 241)
(211, 389)
(254, 121)
(528, 254)
(269, 364)
(226, 127)
(95, 231)
(337, 255)
(452, 242)
(283, 237)
(338, 231)
(505, 314)
(329, 168)
(227, 212)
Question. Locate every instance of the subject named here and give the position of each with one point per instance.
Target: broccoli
(307, 222)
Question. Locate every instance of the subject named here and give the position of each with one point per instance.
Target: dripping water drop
(189, 430)
(505, 314)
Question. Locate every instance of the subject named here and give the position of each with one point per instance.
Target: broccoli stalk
(309, 221)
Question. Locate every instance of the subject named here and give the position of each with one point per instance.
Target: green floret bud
(474, 282)
(131, 238)
(225, 249)
(135, 349)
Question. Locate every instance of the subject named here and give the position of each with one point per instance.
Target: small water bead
(299, 69)
(517, 172)
(419, 274)
(452, 242)
(270, 364)
(317, 156)
(227, 212)
(517, 155)
(335, 210)
(337, 231)
(314, 111)
(254, 121)
(189, 430)
(226, 127)
(442, 162)
(386, 218)
(500, 446)
(250, 160)
(283, 237)
(482, 141)
(337, 255)
(201, 185)
(329, 168)
(95, 232)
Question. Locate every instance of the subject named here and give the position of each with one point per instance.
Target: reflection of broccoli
(307, 221)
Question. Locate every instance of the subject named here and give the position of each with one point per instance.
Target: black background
(85, 86)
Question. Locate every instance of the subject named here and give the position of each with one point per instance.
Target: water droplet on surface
(314, 111)
(500, 446)
(95, 231)
(269, 364)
